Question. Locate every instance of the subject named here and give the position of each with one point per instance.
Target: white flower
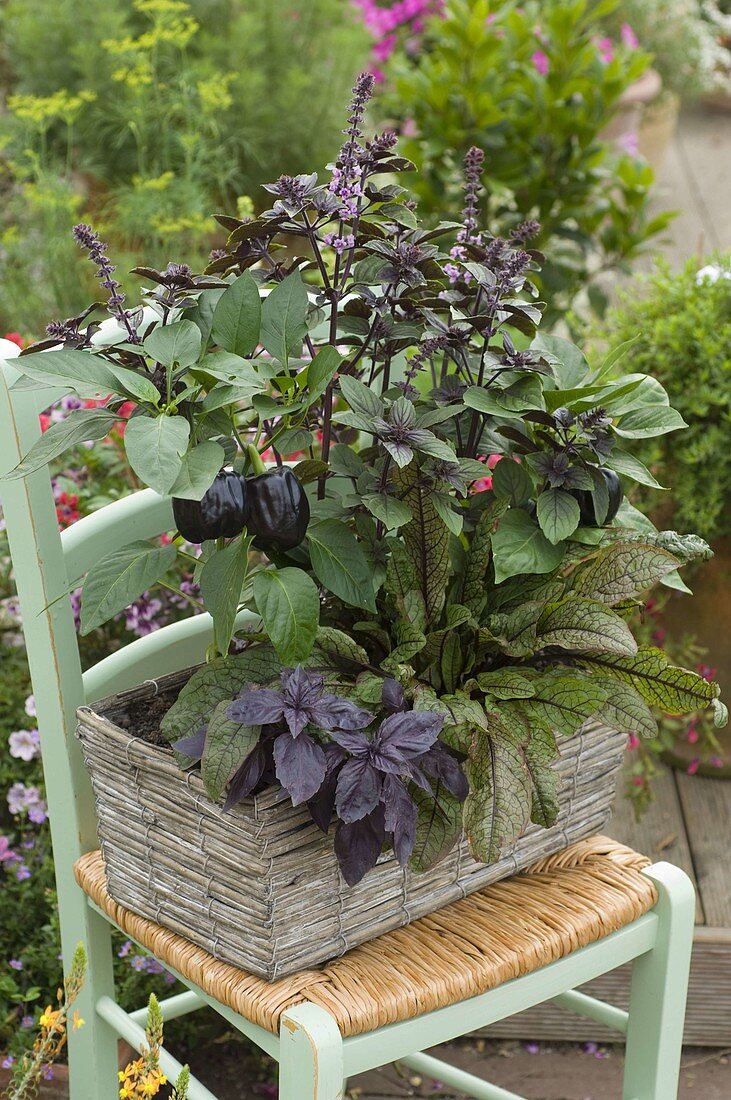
(711, 273)
(25, 744)
(30, 706)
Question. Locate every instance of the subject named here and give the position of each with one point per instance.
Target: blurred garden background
(608, 121)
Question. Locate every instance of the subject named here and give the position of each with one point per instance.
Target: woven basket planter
(259, 886)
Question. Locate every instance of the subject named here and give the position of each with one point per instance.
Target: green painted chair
(315, 1054)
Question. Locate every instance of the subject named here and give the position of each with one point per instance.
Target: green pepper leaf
(558, 514)
(113, 583)
(289, 604)
(77, 372)
(339, 563)
(284, 318)
(179, 343)
(237, 316)
(155, 447)
(221, 580)
(198, 470)
(80, 426)
(519, 546)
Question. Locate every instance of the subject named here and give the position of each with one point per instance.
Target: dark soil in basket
(143, 717)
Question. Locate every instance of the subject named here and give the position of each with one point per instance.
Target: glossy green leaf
(155, 447)
(558, 514)
(391, 512)
(322, 370)
(177, 344)
(284, 318)
(80, 426)
(77, 372)
(237, 317)
(116, 581)
(198, 470)
(339, 563)
(221, 580)
(519, 546)
(511, 480)
(649, 421)
(289, 604)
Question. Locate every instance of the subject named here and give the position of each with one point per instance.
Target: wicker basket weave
(259, 886)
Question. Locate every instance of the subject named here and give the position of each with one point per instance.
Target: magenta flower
(693, 766)
(540, 62)
(605, 47)
(7, 855)
(628, 36)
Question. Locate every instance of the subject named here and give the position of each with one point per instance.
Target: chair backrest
(46, 564)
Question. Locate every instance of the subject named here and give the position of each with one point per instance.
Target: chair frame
(314, 1060)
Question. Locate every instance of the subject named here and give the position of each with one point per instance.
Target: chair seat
(505, 931)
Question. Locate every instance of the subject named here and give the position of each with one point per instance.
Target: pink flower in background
(25, 744)
(606, 49)
(540, 62)
(7, 855)
(628, 36)
(630, 142)
(692, 735)
(693, 766)
(638, 780)
(633, 741)
(409, 128)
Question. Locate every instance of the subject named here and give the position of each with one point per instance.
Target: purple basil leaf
(257, 707)
(192, 746)
(392, 696)
(410, 734)
(296, 719)
(416, 774)
(300, 764)
(246, 777)
(440, 763)
(401, 817)
(358, 791)
(322, 806)
(358, 845)
(331, 712)
(356, 743)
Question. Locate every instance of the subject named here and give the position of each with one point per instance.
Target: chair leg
(658, 993)
(310, 1055)
(93, 1048)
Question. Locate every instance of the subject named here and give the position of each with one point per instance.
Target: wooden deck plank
(706, 805)
(661, 834)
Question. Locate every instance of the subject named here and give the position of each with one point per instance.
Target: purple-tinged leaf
(357, 744)
(358, 790)
(358, 845)
(332, 712)
(192, 746)
(409, 734)
(257, 707)
(300, 764)
(392, 696)
(401, 817)
(322, 806)
(247, 776)
(440, 763)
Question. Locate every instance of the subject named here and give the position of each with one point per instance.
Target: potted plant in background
(679, 325)
(536, 86)
(415, 549)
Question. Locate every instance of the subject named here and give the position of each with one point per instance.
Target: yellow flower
(78, 1021)
(49, 1017)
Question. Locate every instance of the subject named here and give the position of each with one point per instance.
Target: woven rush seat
(564, 902)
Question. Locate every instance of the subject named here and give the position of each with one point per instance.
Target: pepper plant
(418, 497)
